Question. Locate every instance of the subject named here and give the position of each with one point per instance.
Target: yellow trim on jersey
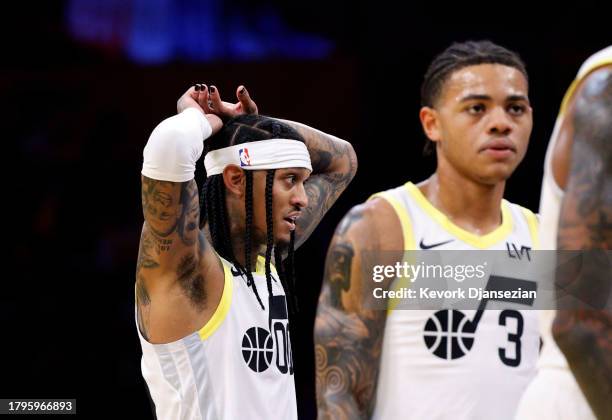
(402, 215)
(532, 222)
(576, 82)
(260, 266)
(224, 304)
(477, 241)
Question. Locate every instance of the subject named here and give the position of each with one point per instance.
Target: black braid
(225, 226)
(212, 214)
(248, 207)
(290, 273)
(269, 227)
(206, 208)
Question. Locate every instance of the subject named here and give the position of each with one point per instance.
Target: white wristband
(175, 145)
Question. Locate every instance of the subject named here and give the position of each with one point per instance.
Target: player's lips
(499, 148)
(291, 218)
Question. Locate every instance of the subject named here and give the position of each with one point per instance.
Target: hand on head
(225, 110)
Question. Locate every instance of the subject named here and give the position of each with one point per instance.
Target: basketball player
(376, 363)
(577, 197)
(211, 307)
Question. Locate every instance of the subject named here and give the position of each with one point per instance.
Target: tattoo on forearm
(334, 165)
(321, 160)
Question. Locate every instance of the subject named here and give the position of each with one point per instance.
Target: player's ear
(234, 180)
(431, 123)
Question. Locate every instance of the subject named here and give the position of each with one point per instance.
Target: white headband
(264, 154)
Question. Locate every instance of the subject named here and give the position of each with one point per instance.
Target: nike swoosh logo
(423, 246)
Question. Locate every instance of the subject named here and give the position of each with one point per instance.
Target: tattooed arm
(348, 334)
(334, 164)
(584, 331)
(172, 248)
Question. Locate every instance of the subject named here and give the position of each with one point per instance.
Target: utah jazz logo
(259, 346)
(245, 159)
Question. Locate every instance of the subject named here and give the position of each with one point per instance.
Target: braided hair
(456, 57)
(213, 208)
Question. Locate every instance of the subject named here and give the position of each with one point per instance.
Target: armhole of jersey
(402, 215)
(224, 304)
(532, 222)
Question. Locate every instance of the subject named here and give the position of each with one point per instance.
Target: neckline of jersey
(477, 241)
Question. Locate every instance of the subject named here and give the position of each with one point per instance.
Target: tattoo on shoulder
(338, 271)
(354, 215)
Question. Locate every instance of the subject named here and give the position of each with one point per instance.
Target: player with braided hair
(215, 340)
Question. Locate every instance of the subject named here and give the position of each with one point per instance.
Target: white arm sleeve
(175, 145)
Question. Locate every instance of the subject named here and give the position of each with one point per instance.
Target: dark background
(78, 104)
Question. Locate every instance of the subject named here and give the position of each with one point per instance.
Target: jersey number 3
(512, 337)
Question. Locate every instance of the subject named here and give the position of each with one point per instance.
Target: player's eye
(476, 109)
(517, 109)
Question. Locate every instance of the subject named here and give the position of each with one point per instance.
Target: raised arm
(584, 333)
(348, 336)
(334, 164)
(171, 244)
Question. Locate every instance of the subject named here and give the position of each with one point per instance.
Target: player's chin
(282, 240)
(496, 173)
(282, 235)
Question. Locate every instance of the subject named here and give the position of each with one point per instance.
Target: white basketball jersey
(449, 380)
(238, 366)
(550, 206)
